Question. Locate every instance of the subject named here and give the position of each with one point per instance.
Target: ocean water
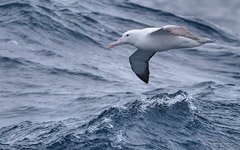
(61, 88)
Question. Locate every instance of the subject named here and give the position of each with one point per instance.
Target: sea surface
(62, 89)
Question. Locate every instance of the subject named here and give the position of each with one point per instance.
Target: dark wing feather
(139, 64)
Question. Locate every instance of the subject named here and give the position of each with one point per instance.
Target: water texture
(61, 88)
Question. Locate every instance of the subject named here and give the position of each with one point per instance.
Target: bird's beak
(114, 44)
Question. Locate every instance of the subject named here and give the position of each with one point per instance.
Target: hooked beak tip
(114, 44)
(110, 46)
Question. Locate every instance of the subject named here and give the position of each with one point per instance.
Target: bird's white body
(159, 43)
(152, 40)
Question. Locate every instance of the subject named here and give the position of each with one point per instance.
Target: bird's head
(128, 37)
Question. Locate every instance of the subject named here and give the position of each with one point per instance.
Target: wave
(19, 63)
(111, 129)
(46, 21)
(9, 4)
(41, 36)
(9, 62)
(155, 122)
(52, 20)
(59, 71)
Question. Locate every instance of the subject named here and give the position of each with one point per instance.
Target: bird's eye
(127, 35)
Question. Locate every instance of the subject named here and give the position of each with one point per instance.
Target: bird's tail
(204, 40)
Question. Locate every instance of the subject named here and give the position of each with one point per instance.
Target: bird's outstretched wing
(139, 63)
(175, 30)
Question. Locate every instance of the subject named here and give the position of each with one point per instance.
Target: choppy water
(60, 88)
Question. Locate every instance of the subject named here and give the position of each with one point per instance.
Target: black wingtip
(144, 78)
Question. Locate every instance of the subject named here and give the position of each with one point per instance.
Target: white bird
(148, 41)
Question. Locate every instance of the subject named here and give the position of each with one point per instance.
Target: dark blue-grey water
(61, 88)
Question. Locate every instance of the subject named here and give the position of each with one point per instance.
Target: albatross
(148, 41)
